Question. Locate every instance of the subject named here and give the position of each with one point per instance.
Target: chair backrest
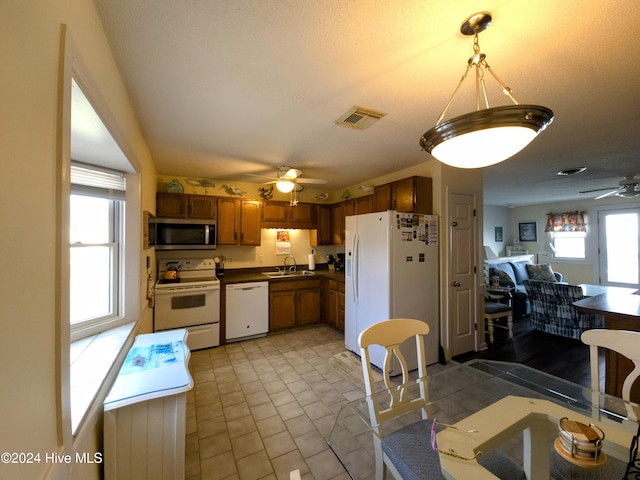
(625, 342)
(390, 334)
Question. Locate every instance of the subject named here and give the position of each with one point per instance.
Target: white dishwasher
(247, 310)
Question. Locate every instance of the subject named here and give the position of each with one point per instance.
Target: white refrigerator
(391, 271)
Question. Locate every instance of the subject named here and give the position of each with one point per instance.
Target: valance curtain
(566, 222)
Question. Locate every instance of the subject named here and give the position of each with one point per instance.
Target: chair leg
(510, 324)
(490, 327)
(379, 461)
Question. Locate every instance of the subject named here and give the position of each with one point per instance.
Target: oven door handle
(186, 289)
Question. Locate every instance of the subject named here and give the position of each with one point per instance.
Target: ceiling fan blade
(270, 177)
(599, 189)
(612, 192)
(318, 181)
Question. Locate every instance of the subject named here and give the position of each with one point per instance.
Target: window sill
(92, 360)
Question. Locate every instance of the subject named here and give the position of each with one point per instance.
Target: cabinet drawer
(284, 285)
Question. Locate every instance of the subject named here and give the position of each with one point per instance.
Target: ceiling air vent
(359, 118)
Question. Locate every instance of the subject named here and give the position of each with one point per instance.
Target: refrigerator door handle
(354, 268)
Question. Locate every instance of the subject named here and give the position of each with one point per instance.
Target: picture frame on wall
(498, 234)
(528, 231)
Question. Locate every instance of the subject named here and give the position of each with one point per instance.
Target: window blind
(96, 182)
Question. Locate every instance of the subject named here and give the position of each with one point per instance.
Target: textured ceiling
(225, 88)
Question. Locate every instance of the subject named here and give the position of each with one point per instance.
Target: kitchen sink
(301, 273)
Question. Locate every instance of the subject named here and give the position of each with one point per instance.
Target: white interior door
(461, 272)
(619, 242)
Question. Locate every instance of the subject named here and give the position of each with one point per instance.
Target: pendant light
(488, 135)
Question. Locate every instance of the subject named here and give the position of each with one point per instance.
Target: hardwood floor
(563, 357)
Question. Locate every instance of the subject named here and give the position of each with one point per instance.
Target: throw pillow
(502, 276)
(541, 273)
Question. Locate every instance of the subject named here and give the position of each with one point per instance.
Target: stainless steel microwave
(182, 234)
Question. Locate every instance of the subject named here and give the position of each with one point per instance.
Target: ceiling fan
(627, 188)
(287, 178)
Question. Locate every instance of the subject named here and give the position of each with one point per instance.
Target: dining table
(496, 407)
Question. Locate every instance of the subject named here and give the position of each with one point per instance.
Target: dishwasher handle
(248, 286)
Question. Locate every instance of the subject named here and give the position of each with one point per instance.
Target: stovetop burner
(192, 271)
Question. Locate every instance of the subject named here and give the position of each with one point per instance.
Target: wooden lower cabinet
(294, 303)
(334, 303)
(341, 314)
(282, 308)
(308, 304)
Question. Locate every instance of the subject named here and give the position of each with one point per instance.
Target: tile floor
(261, 408)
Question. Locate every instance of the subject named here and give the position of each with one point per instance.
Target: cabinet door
(250, 222)
(332, 303)
(282, 309)
(363, 205)
(348, 208)
(337, 224)
(403, 195)
(228, 220)
(171, 205)
(273, 211)
(322, 234)
(202, 206)
(308, 306)
(341, 306)
(382, 198)
(303, 215)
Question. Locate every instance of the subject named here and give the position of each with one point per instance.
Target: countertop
(243, 275)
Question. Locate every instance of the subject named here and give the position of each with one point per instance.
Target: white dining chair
(407, 452)
(390, 334)
(625, 342)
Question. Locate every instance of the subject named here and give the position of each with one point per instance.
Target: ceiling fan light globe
(285, 186)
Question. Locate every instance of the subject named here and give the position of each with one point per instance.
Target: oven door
(182, 306)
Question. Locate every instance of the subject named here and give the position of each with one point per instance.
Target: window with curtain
(568, 232)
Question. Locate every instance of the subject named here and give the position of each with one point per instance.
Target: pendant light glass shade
(485, 136)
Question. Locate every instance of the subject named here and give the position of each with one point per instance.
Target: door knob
(454, 224)
(456, 284)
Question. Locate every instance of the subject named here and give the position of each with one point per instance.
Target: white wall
(30, 32)
(496, 217)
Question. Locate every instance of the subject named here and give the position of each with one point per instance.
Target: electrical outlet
(261, 258)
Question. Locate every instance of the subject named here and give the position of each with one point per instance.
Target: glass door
(619, 242)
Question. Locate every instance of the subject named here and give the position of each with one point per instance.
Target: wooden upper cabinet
(180, 205)
(322, 234)
(348, 208)
(277, 214)
(273, 211)
(409, 195)
(363, 205)
(228, 220)
(337, 224)
(239, 221)
(171, 205)
(202, 206)
(250, 222)
(382, 198)
(303, 215)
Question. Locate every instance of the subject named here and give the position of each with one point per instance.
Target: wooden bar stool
(494, 311)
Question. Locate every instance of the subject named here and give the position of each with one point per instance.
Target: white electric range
(192, 301)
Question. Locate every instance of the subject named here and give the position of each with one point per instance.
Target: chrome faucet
(292, 268)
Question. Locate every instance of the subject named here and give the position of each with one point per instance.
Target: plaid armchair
(552, 309)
